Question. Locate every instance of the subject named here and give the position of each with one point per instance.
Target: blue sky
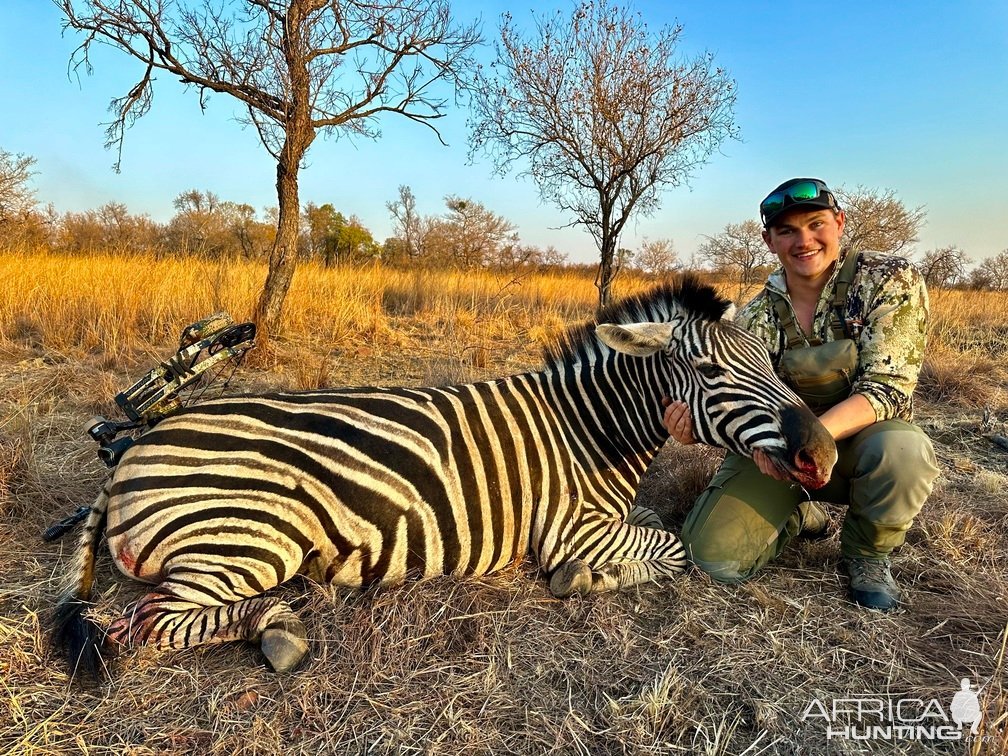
(890, 95)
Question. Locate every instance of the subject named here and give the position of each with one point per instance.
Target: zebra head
(723, 373)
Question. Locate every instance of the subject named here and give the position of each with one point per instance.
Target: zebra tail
(79, 636)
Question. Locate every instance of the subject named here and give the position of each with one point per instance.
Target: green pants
(745, 519)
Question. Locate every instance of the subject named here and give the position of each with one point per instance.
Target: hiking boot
(872, 584)
(814, 519)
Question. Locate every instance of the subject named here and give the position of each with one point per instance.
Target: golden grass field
(495, 664)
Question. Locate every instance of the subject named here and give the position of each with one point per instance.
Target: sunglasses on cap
(801, 191)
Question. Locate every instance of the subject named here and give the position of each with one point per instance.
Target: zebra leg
(575, 575)
(172, 617)
(611, 554)
(645, 518)
(628, 554)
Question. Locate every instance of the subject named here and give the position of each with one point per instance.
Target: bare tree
(199, 227)
(943, 267)
(657, 257)
(22, 226)
(16, 197)
(408, 223)
(605, 114)
(255, 238)
(992, 273)
(297, 66)
(739, 249)
(474, 234)
(877, 220)
(110, 228)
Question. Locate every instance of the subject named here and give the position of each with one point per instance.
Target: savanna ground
(495, 664)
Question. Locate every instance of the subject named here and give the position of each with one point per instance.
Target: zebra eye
(710, 370)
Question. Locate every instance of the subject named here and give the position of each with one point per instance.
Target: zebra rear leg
(170, 617)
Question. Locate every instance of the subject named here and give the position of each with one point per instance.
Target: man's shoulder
(877, 268)
(755, 311)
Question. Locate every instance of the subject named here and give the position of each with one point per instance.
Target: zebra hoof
(284, 644)
(571, 577)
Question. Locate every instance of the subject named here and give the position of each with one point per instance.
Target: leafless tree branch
(601, 114)
(298, 66)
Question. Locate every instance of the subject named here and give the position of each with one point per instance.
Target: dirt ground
(496, 665)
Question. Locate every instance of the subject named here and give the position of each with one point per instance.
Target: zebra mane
(657, 305)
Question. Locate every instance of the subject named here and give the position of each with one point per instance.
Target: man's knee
(899, 458)
(717, 551)
(740, 521)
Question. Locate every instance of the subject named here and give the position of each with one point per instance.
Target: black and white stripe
(222, 501)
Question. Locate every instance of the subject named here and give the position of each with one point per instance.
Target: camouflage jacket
(887, 312)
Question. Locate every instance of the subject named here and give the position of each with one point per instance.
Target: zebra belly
(320, 507)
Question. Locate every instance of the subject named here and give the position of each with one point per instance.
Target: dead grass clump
(312, 372)
(992, 483)
(961, 379)
(967, 341)
(964, 538)
(25, 330)
(409, 295)
(676, 478)
(15, 462)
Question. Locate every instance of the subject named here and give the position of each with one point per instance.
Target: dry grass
(969, 337)
(105, 304)
(476, 666)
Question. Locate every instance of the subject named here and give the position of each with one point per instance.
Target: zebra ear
(729, 314)
(637, 339)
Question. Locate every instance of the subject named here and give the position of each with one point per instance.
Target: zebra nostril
(804, 460)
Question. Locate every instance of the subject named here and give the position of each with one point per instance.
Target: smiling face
(807, 242)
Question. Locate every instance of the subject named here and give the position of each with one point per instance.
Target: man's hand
(677, 421)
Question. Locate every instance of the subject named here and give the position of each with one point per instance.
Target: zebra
(224, 500)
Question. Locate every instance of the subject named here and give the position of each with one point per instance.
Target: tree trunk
(604, 277)
(283, 256)
(606, 272)
(299, 135)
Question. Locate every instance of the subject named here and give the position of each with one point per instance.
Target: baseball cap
(803, 193)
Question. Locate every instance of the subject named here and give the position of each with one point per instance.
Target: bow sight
(213, 342)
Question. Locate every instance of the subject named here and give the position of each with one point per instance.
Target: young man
(848, 333)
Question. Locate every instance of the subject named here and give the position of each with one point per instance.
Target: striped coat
(225, 500)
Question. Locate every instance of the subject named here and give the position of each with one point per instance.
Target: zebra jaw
(808, 452)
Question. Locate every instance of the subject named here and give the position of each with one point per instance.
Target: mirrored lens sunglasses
(803, 191)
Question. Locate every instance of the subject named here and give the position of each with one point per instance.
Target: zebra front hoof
(571, 577)
(284, 644)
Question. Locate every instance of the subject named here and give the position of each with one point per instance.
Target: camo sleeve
(758, 317)
(893, 304)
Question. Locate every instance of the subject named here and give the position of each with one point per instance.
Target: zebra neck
(614, 405)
